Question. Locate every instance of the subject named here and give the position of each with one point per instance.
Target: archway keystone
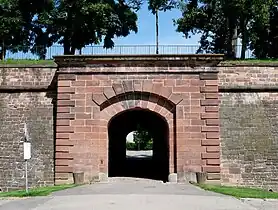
(182, 89)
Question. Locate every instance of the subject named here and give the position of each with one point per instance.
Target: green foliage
(40, 191)
(142, 137)
(96, 20)
(221, 22)
(37, 24)
(161, 5)
(142, 140)
(240, 192)
(134, 147)
(74, 24)
(27, 62)
(18, 28)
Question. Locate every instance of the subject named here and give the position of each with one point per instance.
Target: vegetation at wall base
(26, 62)
(239, 192)
(40, 191)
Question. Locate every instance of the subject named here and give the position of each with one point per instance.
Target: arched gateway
(103, 98)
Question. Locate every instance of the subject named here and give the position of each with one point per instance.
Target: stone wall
(94, 90)
(248, 113)
(249, 120)
(26, 96)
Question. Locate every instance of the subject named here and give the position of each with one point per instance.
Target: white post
(27, 155)
(26, 176)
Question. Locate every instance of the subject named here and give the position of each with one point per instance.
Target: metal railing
(25, 53)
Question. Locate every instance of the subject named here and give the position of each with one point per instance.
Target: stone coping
(191, 60)
(247, 64)
(222, 88)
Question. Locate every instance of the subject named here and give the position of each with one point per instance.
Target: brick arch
(135, 97)
(112, 110)
(134, 90)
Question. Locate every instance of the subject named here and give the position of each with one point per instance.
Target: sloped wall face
(26, 98)
(249, 120)
(89, 97)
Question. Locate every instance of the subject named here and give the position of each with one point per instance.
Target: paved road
(130, 194)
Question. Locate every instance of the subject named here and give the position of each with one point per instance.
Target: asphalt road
(135, 194)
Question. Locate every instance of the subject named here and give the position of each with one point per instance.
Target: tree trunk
(66, 46)
(156, 30)
(229, 43)
(3, 52)
(244, 41)
(72, 50)
(234, 43)
(67, 35)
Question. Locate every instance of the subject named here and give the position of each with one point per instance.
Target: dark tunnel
(153, 167)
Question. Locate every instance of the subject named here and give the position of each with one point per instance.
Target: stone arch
(133, 90)
(132, 99)
(137, 100)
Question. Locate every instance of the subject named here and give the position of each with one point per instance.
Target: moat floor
(136, 194)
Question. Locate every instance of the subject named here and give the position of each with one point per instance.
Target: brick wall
(25, 97)
(249, 135)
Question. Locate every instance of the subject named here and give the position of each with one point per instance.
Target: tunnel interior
(154, 166)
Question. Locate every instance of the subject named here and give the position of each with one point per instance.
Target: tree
(75, 24)
(10, 24)
(263, 29)
(222, 22)
(37, 24)
(272, 33)
(17, 28)
(142, 138)
(215, 20)
(159, 5)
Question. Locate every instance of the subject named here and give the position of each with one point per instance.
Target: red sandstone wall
(82, 139)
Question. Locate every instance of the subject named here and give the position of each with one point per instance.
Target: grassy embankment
(51, 62)
(40, 191)
(240, 192)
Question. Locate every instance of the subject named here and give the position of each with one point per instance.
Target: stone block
(103, 177)
(173, 178)
(187, 177)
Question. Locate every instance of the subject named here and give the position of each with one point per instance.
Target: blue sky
(146, 30)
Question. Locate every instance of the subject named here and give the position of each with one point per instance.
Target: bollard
(78, 178)
(201, 177)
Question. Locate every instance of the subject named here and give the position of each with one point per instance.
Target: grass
(240, 192)
(40, 191)
(51, 62)
(27, 62)
(251, 61)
